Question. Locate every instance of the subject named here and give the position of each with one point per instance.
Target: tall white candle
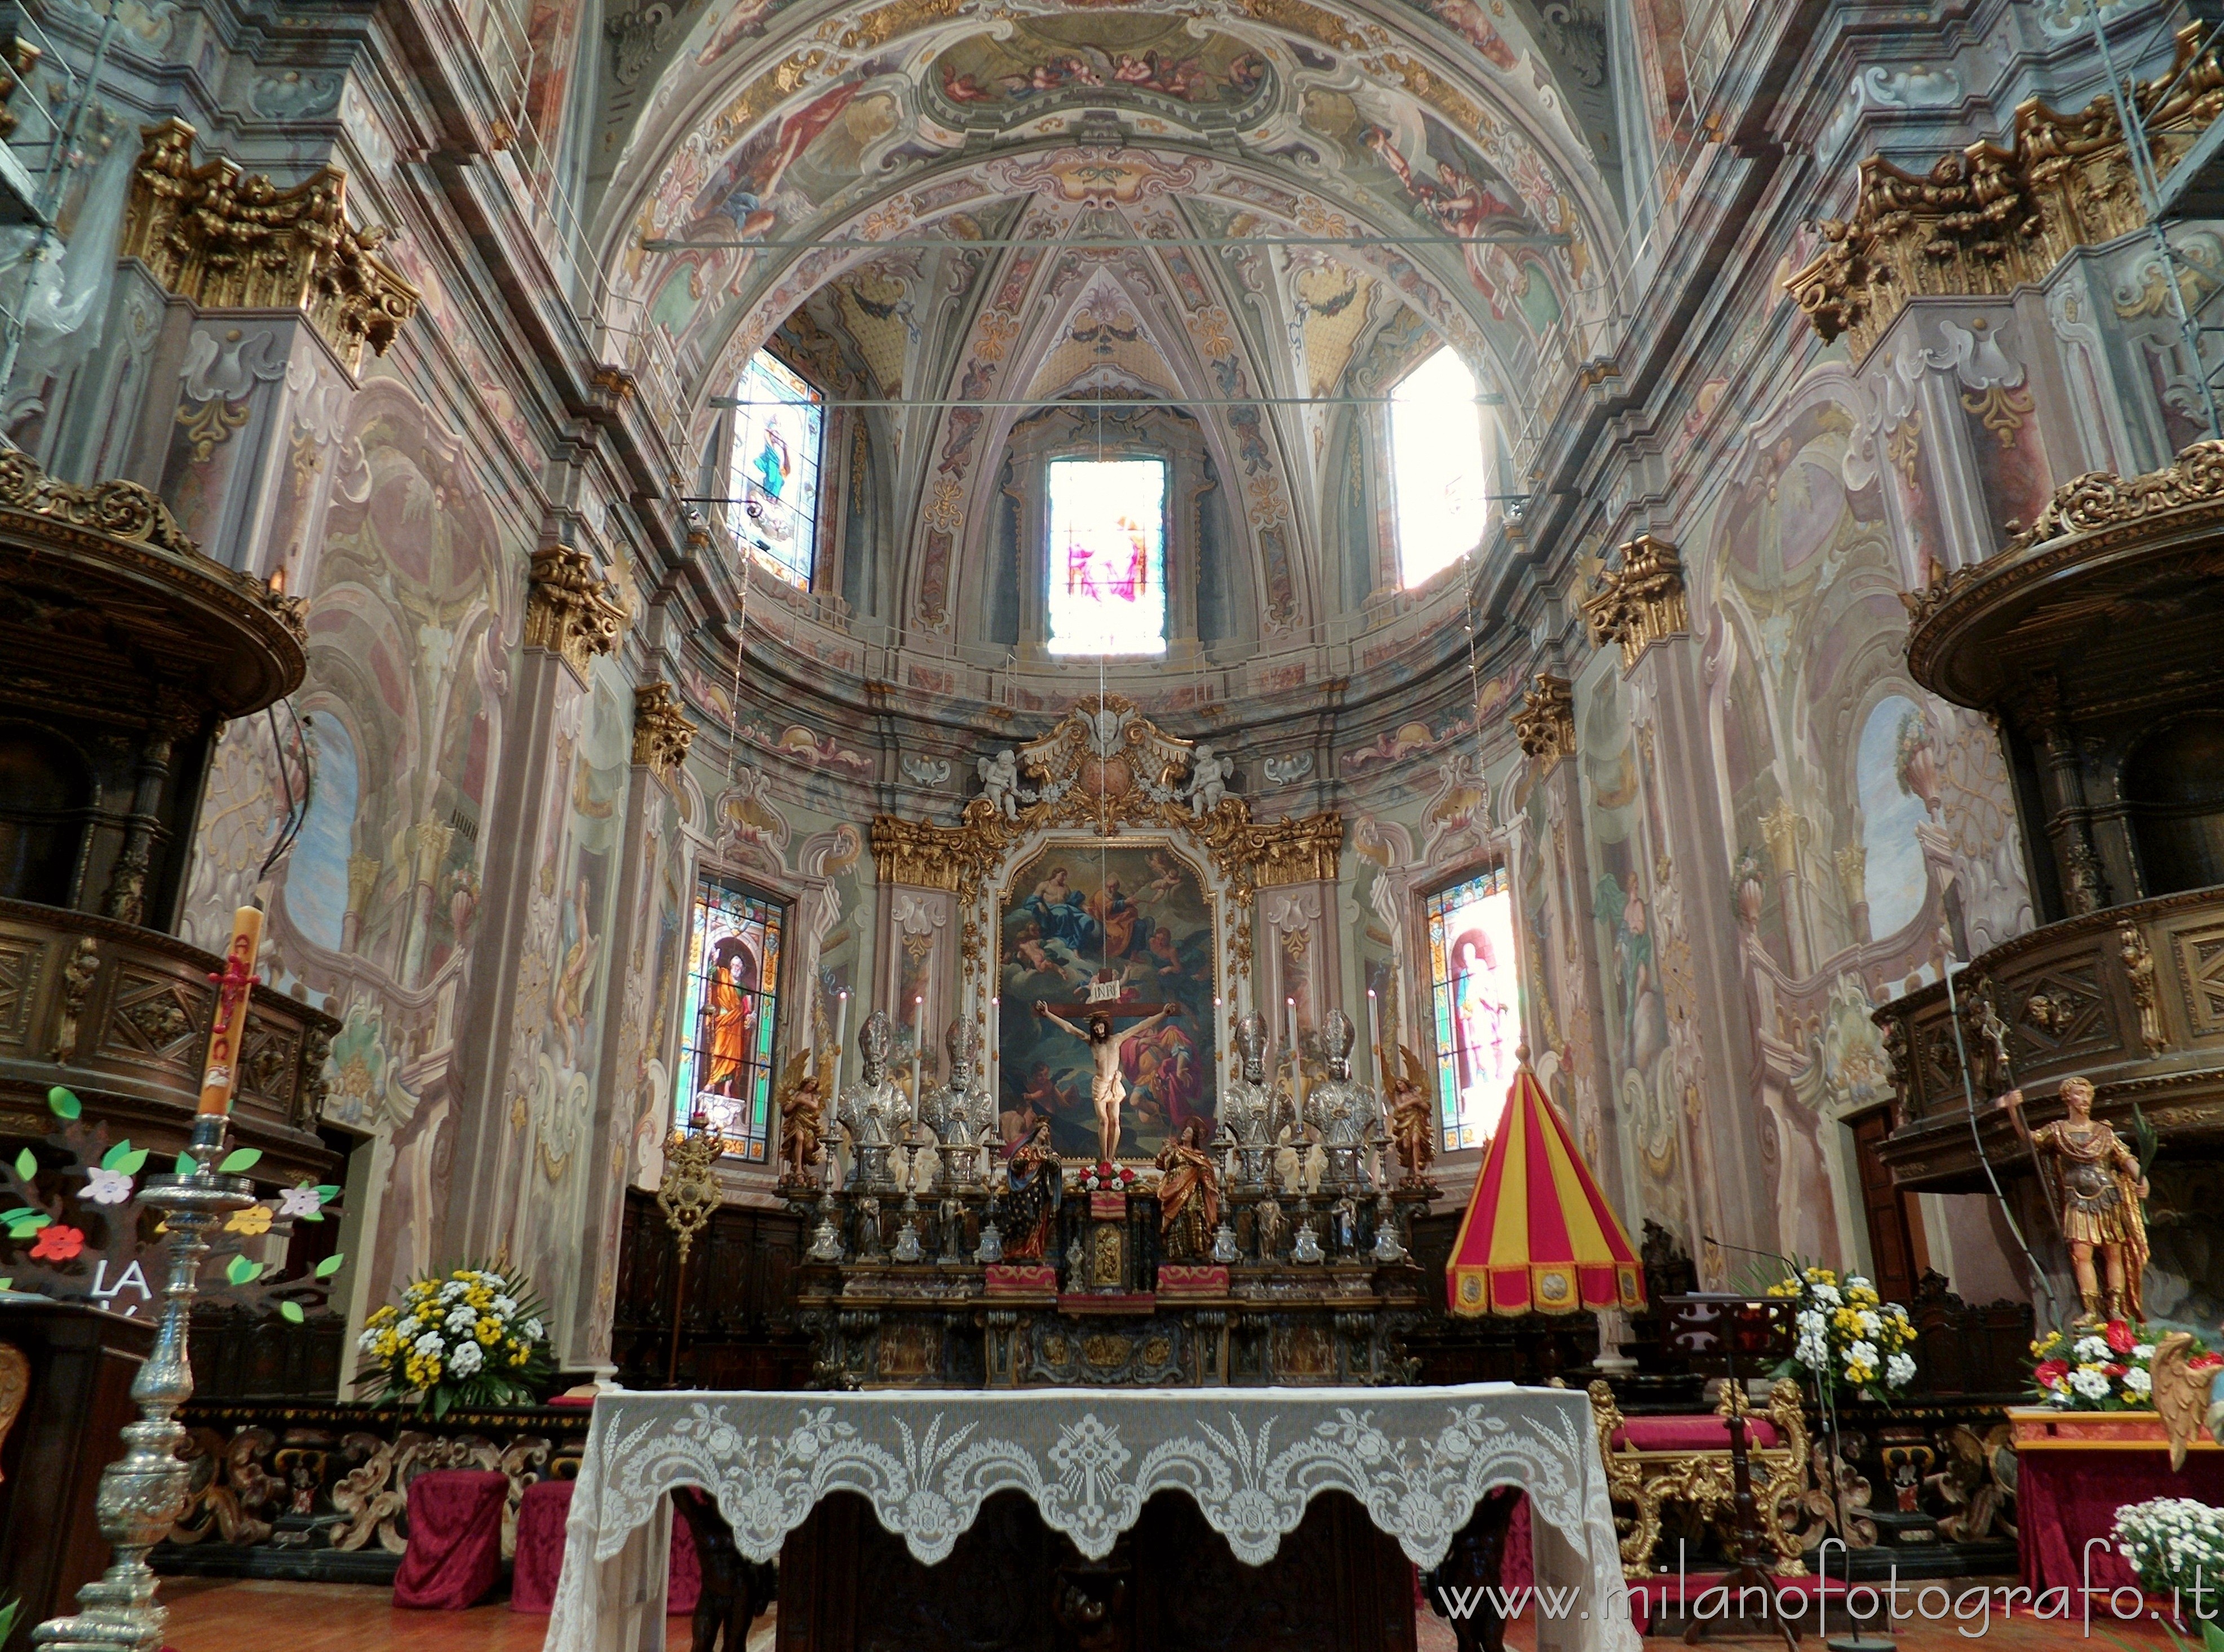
(841, 1036)
(1373, 1035)
(1290, 1003)
(918, 1048)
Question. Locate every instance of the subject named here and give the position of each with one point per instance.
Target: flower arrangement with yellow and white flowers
(473, 1338)
(1847, 1336)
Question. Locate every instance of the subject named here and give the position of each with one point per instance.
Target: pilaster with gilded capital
(1640, 600)
(1546, 723)
(661, 731)
(571, 609)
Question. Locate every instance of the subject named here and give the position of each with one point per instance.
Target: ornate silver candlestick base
(144, 1492)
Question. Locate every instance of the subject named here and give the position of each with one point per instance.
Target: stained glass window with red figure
(1475, 998)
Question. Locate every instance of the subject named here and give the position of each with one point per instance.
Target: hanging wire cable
(741, 645)
(1104, 833)
(297, 809)
(1970, 1093)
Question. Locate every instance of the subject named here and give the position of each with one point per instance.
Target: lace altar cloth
(1417, 1459)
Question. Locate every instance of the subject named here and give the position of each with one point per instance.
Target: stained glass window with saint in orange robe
(732, 1014)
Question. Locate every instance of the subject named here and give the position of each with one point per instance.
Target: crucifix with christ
(1105, 1088)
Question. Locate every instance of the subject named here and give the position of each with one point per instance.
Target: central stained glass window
(1108, 556)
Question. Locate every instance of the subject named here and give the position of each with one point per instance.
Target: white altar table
(1417, 1459)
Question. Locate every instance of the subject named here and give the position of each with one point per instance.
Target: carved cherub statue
(1207, 780)
(1413, 1122)
(1000, 784)
(874, 1110)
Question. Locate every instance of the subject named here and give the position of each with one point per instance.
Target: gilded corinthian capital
(571, 609)
(661, 731)
(1985, 220)
(230, 240)
(1640, 601)
(1545, 724)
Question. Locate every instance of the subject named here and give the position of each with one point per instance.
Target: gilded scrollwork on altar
(1104, 768)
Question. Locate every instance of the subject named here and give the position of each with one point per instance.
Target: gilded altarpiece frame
(1101, 794)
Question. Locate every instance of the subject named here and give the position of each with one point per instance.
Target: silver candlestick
(143, 1492)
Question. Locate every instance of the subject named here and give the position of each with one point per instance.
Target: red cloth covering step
(541, 1516)
(1180, 1279)
(1705, 1433)
(2067, 1499)
(455, 1539)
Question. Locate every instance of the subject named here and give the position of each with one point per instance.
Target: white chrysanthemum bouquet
(2175, 1546)
(474, 1339)
(1849, 1336)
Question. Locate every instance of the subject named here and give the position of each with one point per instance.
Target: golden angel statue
(2093, 1183)
(2189, 1397)
(802, 1120)
(1413, 1121)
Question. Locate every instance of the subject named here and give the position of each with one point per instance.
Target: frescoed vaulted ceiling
(1249, 206)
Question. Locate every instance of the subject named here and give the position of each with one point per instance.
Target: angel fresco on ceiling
(1408, 153)
(743, 188)
(747, 20)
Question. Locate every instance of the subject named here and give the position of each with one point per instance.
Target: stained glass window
(1437, 467)
(1477, 1003)
(733, 1013)
(1108, 556)
(778, 422)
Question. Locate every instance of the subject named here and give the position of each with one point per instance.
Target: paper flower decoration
(104, 1187)
(299, 1201)
(58, 1244)
(254, 1219)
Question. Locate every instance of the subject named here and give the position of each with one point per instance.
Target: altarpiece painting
(1138, 916)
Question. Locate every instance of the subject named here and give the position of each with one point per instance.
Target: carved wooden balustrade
(122, 1013)
(2130, 997)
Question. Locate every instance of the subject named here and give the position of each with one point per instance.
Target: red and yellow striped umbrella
(1539, 1235)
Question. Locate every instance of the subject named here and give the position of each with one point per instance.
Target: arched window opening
(1107, 567)
(45, 792)
(1437, 468)
(780, 422)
